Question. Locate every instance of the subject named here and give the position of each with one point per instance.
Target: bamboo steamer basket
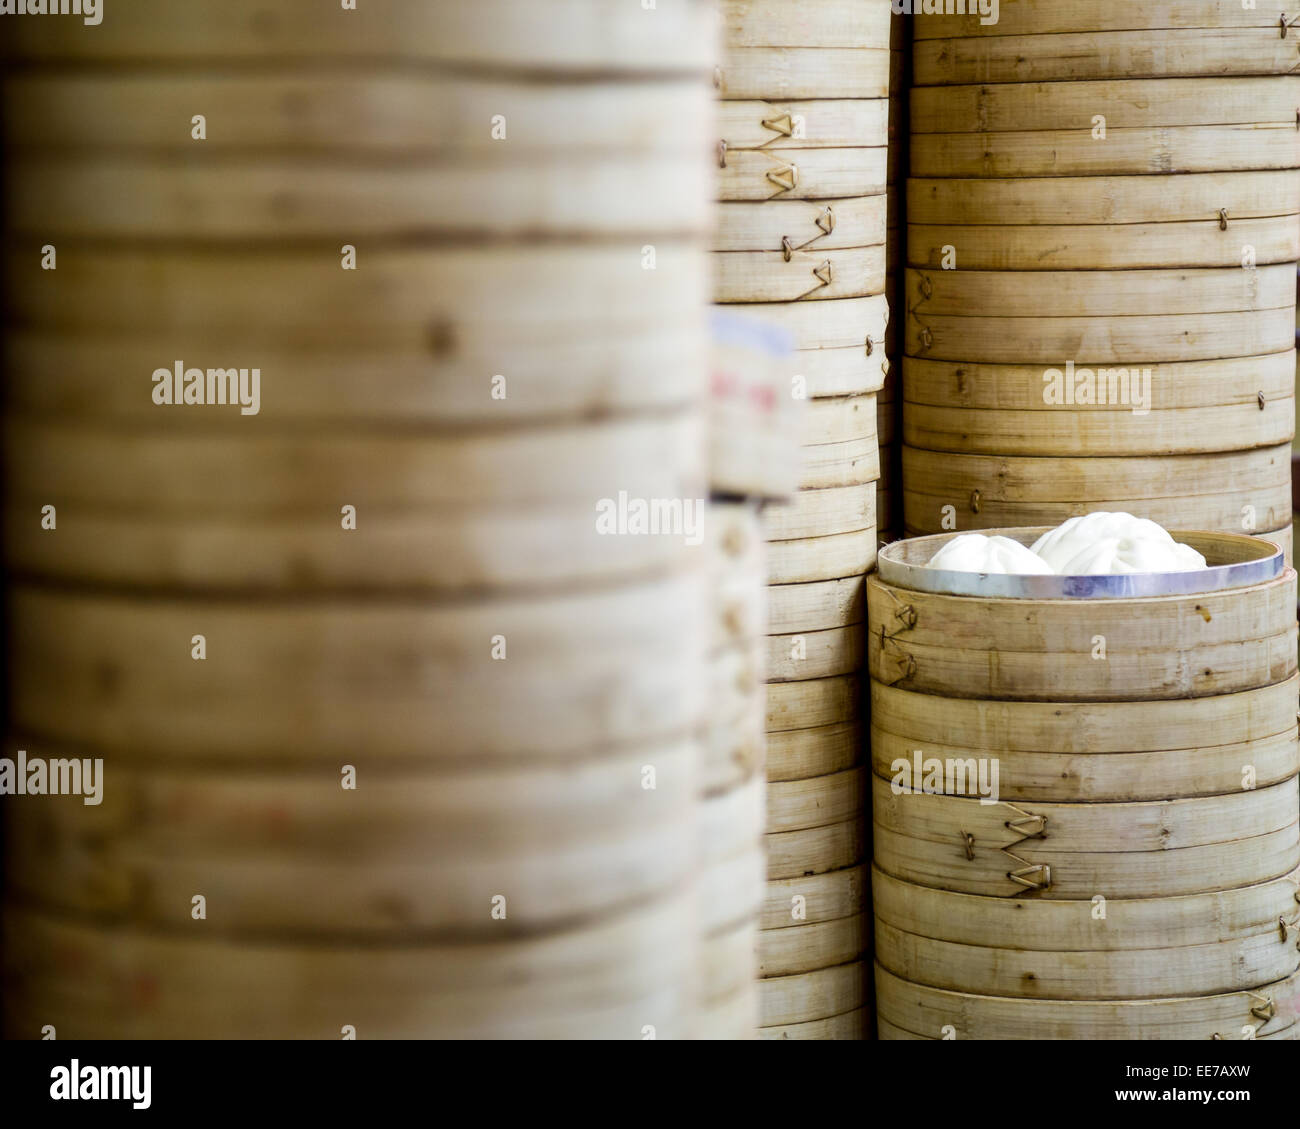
(808, 559)
(821, 513)
(1080, 200)
(1193, 645)
(572, 36)
(796, 805)
(734, 749)
(731, 825)
(839, 419)
(1005, 400)
(1071, 851)
(928, 1011)
(807, 996)
(1141, 54)
(830, 465)
(96, 377)
(820, 124)
(446, 302)
(771, 276)
(815, 607)
(1178, 491)
(325, 199)
(794, 902)
(816, 850)
(807, 948)
(1135, 925)
(607, 979)
(822, 327)
(1166, 149)
(1042, 17)
(780, 73)
(800, 754)
(297, 681)
(288, 857)
(823, 225)
(812, 703)
(738, 572)
(816, 23)
(853, 1025)
(815, 655)
(1095, 293)
(383, 113)
(1125, 105)
(802, 174)
(842, 371)
(1263, 953)
(1196, 243)
(1090, 752)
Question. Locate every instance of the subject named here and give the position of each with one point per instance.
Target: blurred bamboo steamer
(801, 240)
(1044, 173)
(888, 402)
(1089, 834)
(337, 646)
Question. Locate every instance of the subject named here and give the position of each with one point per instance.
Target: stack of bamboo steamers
(1134, 873)
(399, 704)
(800, 241)
(1103, 236)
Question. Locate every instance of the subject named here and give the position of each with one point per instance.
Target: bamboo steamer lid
(1164, 149)
(816, 23)
(1081, 200)
(841, 371)
(928, 1011)
(1207, 643)
(1042, 17)
(802, 174)
(798, 754)
(448, 302)
(816, 850)
(830, 465)
(815, 607)
(845, 123)
(289, 682)
(808, 996)
(362, 114)
(1094, 293)
(612, 976)
(329, 200)
(808, 225)
(809, 559)
(99, 377)
(821, 513)
(821, 897)
(1129, 925)
(1162, 53)
(795, 805)
(812, 703)
(814, 274)
(1196, 243)
(806, 948)
(1097, 751)
(814, 655)
(1125, 105)
(1239, 490)
(853, 1025)
(729, 962)
(1005, 411)
(570, 36)
(303, 472)
(781, 73)
(733, 1018)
